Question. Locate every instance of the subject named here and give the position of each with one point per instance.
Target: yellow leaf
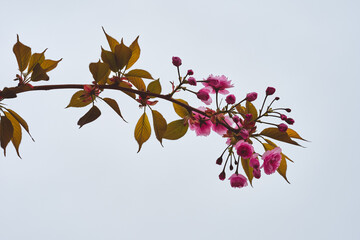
(154, 87)
(36, 58)
(142, 130)
(294, 134)
(6, 132)
(135, 53)
(112, 42)
(22, 122)
(17, 135)
(241, 109)
(181, 111)
(109, 58)
(250, 108)
(247, 169)
(122, 55)
(22, 53)
(275, 133)
(160, 125)
(139, 73)
(137, 82)
(100, 72)
(49, 65)
(113, 104)
(79, 100)
(176, 129)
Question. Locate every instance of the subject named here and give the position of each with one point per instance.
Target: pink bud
(254, 161)
(277, 98)
(230, 99)
(270, 91)
(238, 181)
(290, 121)
(283, 117)
(282, 127)
(257, 173)
(288, 109)
(192, 81)
(236, 119)
(190, 72)
(251, 96)
(222, 176)
(203, 94)
(176, 61)
(219, 160)
(248, 117)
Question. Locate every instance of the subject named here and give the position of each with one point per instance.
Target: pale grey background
(91, 183)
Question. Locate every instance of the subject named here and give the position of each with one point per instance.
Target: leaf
(274, 146)
(17, 135)
(283, 165)
(49, 65)
(6, 132)
(90, 116)
(137, 82)
(100, 72)
(250, 108)
(22, 122)
(112, 42)
(139, 73)
(154, 87)
(241, 109)
(294, 134)
(113, 104)
(122, 55)
(36, 58)
(280, 136)
(181, 111)
(125, 85)
(38, 74)
(22, 53)
(160, 125)
(142, 130)
(176, 129)
(135, 53)
(247, 169)
(79, 100)
(109, 58)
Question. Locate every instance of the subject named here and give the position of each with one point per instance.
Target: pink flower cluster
(214, 84)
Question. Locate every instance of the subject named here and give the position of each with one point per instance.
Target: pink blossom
(282, 127)
(230, 99)
(238, 181)
(251, 96)
(176, 61)
(219, 128)
(192, 81)
(218, 84)
(244, 149)
(272, 159)
(204, 96)
(254, 161)
(200, 124)
(244, 133)
(270, 91)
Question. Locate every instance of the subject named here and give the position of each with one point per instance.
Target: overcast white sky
(91, 183)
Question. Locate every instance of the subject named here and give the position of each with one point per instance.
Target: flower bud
(192, 81)
(203, 94)
(282, 127)
(290, 121)
(270, 91)
(176, 61)
(190, 72)
(283, 117)
(219, 160)
(230, 99)
(277, 98)
(251, 96)
(288, 109)
(257, 173)
(236, 119)
(231, 167)
(248, 117)
(222, 176)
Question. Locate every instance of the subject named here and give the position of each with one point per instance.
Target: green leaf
(139, 73)
(283, 165)
(49, 65)
(110, 59)
(137, 82)
(90, 116)
(17, 135)
(36, 58)
(79, 99)
(6, 132)
(181, 111)
(22, 122)
(250, 108)
(142, 130)
(113, 104)
(247, 169)
(176, 129)
(280, 136)
(39, 74)
(122, 55)
(154, 87)
(100, 72)
(294, 134)
(112, 42)
(135, 53)
(160, 125)
(22, 53)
